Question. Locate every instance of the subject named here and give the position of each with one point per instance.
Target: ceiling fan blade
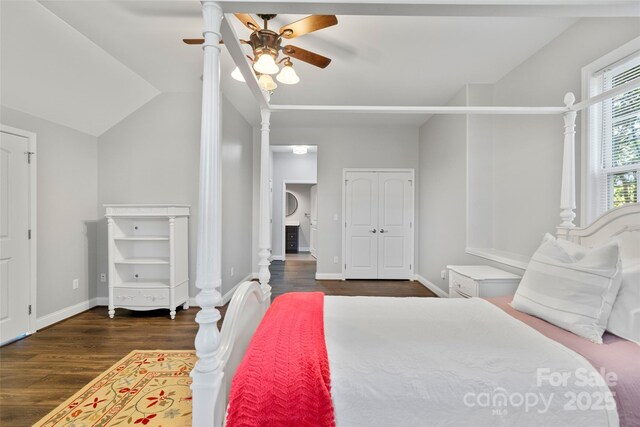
(248, 21)
(198, 41)
(308, 25)
(306, 56)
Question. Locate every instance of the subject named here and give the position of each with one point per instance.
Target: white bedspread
(453, 362)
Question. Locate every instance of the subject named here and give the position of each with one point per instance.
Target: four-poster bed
(220, 353)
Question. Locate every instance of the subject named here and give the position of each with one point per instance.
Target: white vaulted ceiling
(50, 70)
(88, 64)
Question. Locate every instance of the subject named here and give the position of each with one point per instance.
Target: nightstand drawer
(461, 286)
(466, 281)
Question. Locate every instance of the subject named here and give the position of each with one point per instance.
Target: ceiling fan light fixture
(237, 75)
(288, 75)
(266, 83)
(300, 149)
(266, 64)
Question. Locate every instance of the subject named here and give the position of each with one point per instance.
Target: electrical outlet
(335, 217)
(232, 271)
(443, 274)
(76, 283)
(335, 259)
(103, 277)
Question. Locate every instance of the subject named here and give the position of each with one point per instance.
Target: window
(614, 137)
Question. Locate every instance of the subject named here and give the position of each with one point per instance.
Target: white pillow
(624, 320)
(571, 286)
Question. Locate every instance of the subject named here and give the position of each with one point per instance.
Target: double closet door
(378, 225)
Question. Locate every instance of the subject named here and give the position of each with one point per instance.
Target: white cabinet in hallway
(148, 257)
(378, 209)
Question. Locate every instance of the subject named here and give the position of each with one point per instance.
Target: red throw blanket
(284, 378)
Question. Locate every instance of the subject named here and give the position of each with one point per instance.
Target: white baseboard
(307, 249)
(329, 276)
(102, 301)
(432, 287)
(65, 313)
(229, 294)
(276, 258)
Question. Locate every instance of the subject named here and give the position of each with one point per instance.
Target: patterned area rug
(146, 388)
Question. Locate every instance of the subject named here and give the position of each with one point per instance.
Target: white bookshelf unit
(148, 257)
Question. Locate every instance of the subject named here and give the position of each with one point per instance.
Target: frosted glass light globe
(237, 75)
(266, 83)
(288, 75)
(266, 64)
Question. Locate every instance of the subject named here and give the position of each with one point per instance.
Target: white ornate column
(112, 273)
(264, 237)
(172, 269)
(207, 374)
(568, 193)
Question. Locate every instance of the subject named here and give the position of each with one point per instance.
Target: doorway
(17, 233)
(378, 238)
(294, 216)
(300, 221)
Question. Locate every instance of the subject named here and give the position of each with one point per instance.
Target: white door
(361, 221)
(14, 240)
(378, 225)
(313, 238)
(395, 237)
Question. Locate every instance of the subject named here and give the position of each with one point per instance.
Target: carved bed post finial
(264, 238)
(568, 193)
(207, 373)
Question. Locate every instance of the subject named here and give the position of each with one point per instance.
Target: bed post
(568, 193)
(207, 373)
(264, 238)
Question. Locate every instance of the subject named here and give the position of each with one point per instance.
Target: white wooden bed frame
(220, 352)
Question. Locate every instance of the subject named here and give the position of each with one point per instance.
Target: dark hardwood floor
(41, 371)
(299, 276)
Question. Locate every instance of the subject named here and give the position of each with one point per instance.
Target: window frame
(590, 151)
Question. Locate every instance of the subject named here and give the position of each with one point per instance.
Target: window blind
(619, 129)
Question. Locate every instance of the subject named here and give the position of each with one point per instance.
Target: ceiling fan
(267, 45)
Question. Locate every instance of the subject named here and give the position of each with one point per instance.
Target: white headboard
(622, 222)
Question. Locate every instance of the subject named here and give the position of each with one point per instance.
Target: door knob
(382, 230)
(372, 231)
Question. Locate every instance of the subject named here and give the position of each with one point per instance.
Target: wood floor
(299, 276)
(41, 371)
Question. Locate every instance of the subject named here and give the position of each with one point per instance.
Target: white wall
(302, 214)
(520, 197)
(153, 157)
(67, 214)
(339, 148)
(288, 167)
(531, 147)
(442, 185)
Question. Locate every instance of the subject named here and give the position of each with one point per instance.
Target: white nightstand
(466, 281)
